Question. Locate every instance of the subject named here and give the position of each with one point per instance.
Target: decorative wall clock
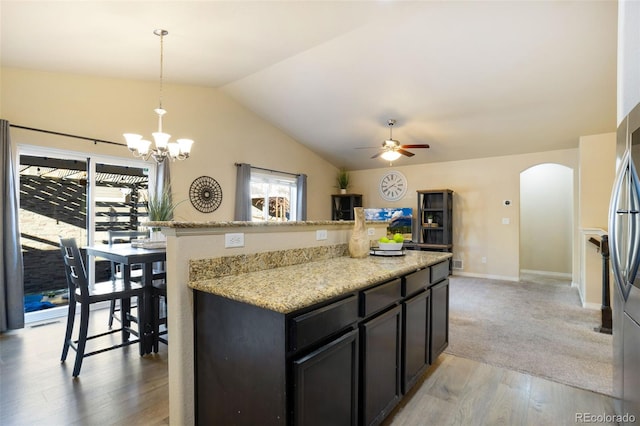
(393, 186)
(205, 194)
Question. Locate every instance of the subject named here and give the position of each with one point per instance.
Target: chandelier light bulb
(143, 146)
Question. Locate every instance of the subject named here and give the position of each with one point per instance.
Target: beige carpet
(536, 326)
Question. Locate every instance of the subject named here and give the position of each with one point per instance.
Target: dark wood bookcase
(436, 205)
(342, 206)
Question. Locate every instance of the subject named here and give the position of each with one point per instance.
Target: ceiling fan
(391, 148)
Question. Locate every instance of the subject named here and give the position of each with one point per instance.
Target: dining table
(128, 254)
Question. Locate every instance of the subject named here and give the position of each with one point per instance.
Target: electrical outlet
(233, 240)
(505, 221)
(321, 234)
(483, 259)
(371, 232)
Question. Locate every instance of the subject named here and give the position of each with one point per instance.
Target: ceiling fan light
(390, 155)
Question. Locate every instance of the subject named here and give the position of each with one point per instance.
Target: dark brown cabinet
(342, 206)
(332, 368)
(439, 319)
(435, 219)
(416, 326)
(381, 347)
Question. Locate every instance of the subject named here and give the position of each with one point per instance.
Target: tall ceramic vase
(359, 242)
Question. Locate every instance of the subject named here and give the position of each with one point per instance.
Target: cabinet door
(326, 384)
(439, 319)
(415, 319)
(381, 344)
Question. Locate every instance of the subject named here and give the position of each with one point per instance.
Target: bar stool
(80, 291)
(116, 273)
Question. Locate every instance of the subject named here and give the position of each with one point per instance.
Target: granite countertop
(289, 288)
(233, 224)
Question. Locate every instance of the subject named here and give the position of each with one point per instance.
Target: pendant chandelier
(178, 150)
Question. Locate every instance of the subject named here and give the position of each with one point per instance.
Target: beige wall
(628, 57)
(104, 108)
(597, 171)
(480, 186)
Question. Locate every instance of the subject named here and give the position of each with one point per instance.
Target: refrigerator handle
(614, 213)
(634, 222)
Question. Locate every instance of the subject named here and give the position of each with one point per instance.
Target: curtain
(12, 280)
(163, 179)
(243, 193)
(301, 205)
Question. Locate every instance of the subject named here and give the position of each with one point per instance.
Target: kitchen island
(199, 258)
(333, 341)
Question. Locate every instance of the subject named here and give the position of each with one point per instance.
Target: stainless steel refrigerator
(624, 245)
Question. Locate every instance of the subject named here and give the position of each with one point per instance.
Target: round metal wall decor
(205, 194)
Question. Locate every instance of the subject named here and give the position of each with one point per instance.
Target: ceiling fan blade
(366, 147)
(403, 152)
(423, 145)
(377, 155)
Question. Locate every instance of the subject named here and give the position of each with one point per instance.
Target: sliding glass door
(75, 195)
(52, 203)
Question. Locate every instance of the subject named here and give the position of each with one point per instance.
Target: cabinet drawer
(439, 272)
(313, 326)
(378, 298)
(415, 282)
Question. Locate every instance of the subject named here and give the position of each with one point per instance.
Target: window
(273, 197)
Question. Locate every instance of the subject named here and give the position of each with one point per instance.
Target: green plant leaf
(161, 207)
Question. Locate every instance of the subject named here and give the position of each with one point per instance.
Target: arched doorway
(546, 220)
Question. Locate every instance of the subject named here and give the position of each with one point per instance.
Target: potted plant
(429, 219)
(342, 180)
(160, 208)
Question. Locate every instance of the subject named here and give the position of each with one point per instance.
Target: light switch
(505, 221)
(233, 240)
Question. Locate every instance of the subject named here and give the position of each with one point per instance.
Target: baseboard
(488, 276)
(594, 306)
(564, 275)
(57, 312)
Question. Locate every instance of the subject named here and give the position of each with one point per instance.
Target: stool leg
(82, 338)
(156, 322)
(142, 327)
(125, 320)
(112, 312)
(71, 317)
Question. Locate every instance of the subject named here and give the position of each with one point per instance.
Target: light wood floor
(459, 391)
(115, 387)
(119, 387)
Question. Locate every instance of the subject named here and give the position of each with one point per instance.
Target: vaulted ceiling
(470, 78)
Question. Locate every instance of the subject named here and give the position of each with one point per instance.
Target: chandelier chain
(162, 34)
